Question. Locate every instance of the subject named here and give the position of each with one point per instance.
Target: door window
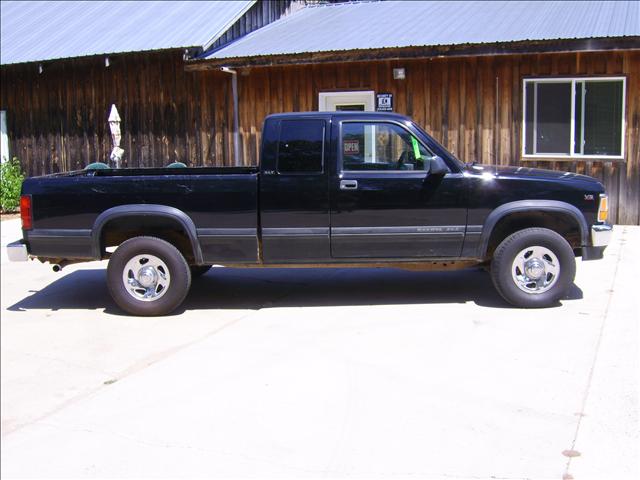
(381, 146)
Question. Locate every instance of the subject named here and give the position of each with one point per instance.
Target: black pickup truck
(334, 189)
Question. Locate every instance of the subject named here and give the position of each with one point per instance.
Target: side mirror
(438, 166)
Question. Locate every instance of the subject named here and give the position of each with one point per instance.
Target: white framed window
(4, 139)
(580, 117)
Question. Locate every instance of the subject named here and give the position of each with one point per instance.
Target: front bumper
(600, 238)
(17, 251)
(601, 235)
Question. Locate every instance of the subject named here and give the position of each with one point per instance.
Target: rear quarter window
(300, 146)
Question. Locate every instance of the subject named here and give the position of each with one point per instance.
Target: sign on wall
(384, 102)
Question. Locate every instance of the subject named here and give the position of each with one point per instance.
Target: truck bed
(216, 201)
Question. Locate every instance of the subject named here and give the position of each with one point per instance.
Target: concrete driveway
(322, 374)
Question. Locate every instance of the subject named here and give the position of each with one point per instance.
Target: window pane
(579, 119)
(553, 118)
(603, 118)
(356, 107)
(381, 146)
(300, 146)
(528, 109)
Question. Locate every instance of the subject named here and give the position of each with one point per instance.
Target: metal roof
(46, 30)
(392, 24)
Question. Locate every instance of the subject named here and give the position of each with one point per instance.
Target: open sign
(351, 147)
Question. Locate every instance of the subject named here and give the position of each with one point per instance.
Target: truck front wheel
(533, 268)
(148, 276)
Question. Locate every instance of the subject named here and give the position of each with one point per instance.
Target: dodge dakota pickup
(334, 189)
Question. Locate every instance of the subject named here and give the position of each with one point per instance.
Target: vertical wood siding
(473, 105)
(57, 120)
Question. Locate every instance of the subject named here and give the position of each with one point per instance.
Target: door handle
(348, 184)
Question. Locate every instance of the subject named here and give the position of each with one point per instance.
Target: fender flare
(146, 210)
(553, 206)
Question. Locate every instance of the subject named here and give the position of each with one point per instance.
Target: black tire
(530, 294)
(161, 253)
(199, 270)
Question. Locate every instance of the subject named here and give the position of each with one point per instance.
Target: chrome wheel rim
(146, 277)
(535, 269)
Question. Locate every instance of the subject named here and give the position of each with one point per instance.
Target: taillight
(26, 214)
(603, 209)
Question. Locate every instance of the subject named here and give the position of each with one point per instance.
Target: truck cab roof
(351, 114)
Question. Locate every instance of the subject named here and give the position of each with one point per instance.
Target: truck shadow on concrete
(255, 288)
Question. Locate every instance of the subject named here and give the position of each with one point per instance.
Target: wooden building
(55, 98)
(490, 100)
(473, 105)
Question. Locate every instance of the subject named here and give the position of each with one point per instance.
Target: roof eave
(48, 61)
(397, 53)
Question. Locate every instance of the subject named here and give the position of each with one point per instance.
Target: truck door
(384, 201)
(294, 196)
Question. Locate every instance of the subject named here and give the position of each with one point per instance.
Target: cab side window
(300, 146)
(381, 146)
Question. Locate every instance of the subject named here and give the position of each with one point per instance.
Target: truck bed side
(78, 216)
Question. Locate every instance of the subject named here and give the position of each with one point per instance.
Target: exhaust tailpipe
(60, 265)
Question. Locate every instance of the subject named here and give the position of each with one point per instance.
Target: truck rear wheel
(533, 268)
(148, 276)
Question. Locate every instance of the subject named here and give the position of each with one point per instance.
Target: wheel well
(118, 230)
(561, 223)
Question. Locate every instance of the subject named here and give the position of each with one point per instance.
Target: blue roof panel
(393, 24)
(46, 30)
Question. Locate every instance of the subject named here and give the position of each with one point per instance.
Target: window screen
(596, 126)
(300, 147)
(602, 121)
(553, 122)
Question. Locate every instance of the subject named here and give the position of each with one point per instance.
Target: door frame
(425, 227)
(328, 101)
